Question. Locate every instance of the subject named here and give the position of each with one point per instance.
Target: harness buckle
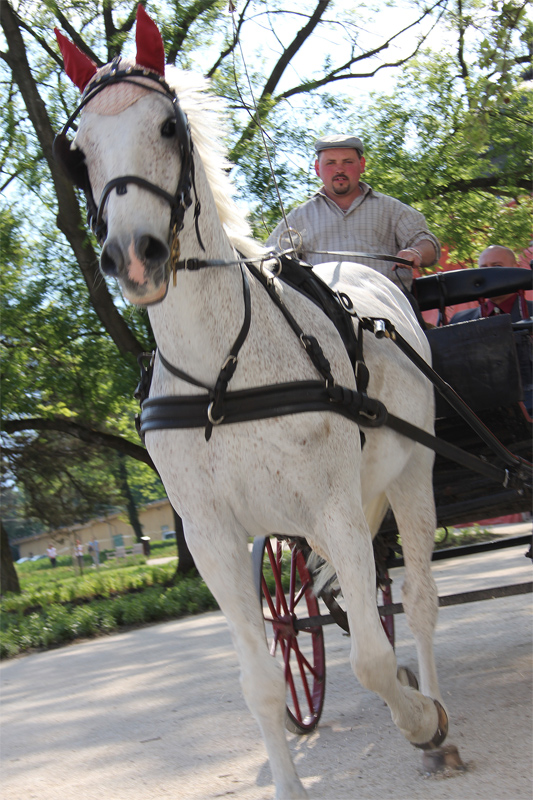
(213, 420)
(231, 359)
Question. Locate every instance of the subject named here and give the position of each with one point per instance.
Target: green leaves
(458, 153)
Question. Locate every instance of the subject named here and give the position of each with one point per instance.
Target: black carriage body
(479, 360)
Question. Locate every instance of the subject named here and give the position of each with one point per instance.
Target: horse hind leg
(411, 498)
(349, 544)
(224, 561)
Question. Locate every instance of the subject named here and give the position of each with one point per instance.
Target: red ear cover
(79, 67)
(150, 49)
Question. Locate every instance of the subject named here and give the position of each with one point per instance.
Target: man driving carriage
(346, 214)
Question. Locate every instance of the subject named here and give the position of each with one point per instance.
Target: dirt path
(158, 713)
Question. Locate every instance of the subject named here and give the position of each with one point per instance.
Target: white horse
(299, 475)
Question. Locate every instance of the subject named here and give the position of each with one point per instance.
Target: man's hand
(409, 254)
(422, 254)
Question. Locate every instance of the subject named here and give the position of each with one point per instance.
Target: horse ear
(150, 49)
(79, 67)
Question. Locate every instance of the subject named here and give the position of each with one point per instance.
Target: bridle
(72, 159)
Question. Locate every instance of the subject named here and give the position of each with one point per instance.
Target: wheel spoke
(302, 662)
(292, 583)
(275, 563)
(301, 593)
(268, 598)
(286, 649)
(274, 645)
(302, 658)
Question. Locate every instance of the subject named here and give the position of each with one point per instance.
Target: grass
(457, 537)
(57, 605)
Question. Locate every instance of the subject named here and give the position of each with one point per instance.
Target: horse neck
(202, 314)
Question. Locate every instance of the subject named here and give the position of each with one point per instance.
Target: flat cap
(339, 140)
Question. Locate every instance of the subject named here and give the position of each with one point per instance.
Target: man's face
(340, 169)
(497, 257)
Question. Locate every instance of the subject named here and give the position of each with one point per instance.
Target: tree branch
(232, 46)
(182, 28)
(76, 38)
(337, 74)
(493, 184)
(82, 432)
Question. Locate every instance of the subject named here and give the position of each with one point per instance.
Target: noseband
(73, 162)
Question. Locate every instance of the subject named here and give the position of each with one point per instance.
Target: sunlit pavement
(157, 712)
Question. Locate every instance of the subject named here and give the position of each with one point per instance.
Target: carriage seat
(465, 285)
(479, 360)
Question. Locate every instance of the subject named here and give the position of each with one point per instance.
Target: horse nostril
(152, 251)
(111, 259)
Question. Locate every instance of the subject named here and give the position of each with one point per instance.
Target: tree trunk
(131, 508)
(186, 564)
(9, 581)
(69, 218)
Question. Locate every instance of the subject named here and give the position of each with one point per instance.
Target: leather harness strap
(276, 400)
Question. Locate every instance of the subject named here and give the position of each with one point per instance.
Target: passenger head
(497, 256)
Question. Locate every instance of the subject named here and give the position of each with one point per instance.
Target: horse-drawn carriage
(479, 360)
(265, 442)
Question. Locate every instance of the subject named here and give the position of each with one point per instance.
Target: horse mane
(206, 115)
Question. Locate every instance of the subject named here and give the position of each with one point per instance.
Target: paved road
(157, 712)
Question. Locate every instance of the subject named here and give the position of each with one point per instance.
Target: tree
(9, 581)
(463, 154)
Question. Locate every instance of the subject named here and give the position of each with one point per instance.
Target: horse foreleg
(411, 498)
(224, 561)
(349, 545)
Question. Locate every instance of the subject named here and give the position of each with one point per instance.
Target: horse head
(132, 155)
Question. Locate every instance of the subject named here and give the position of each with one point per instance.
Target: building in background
(113, 531)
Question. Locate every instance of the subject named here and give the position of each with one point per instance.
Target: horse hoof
(407, 677)
(441, 733)
(445, 758)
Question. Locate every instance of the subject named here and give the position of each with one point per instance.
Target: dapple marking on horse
(302, 475)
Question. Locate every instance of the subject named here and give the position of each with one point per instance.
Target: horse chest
(263, 470)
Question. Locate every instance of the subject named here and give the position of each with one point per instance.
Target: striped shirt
(374, 223)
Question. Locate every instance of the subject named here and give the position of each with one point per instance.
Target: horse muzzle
(141, 266)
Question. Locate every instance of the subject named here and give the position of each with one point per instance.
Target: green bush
(84, 622)
(55, 624)
(58, 618)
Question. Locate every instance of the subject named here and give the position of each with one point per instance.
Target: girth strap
(262, 402)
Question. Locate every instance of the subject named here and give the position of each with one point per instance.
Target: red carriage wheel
(294, 630)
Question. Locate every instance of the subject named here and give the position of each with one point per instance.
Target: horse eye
(168, 128)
